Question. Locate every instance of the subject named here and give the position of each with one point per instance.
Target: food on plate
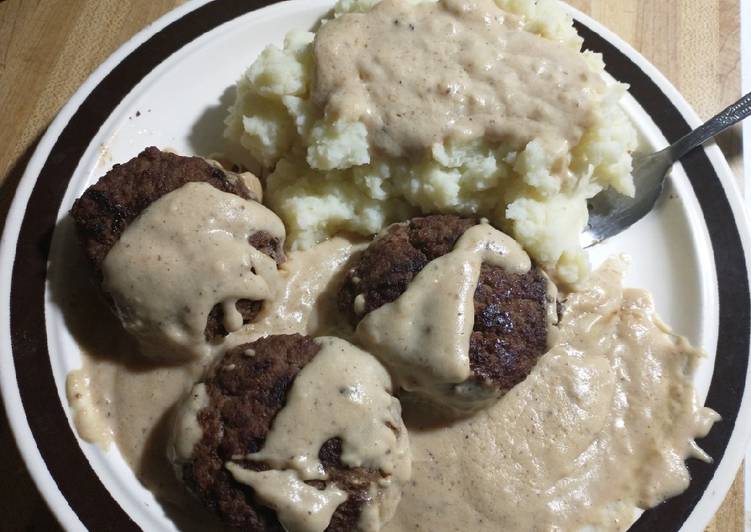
(182, 249)
(600, 428)
(452, 306)
(474, 107)
(467, 135)
(296, 433)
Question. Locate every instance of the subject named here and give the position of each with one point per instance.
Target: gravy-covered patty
(110, 207)
(236, 443)
(511, 308)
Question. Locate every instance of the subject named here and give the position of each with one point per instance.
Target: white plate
(170, 85)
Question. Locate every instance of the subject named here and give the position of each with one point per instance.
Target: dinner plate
(170, 85)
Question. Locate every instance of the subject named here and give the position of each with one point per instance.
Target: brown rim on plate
(57, 443)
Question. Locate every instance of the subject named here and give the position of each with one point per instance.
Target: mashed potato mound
(324, 178)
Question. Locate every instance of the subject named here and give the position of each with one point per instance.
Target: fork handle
(715, 125)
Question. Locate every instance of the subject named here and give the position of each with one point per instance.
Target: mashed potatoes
(335, 164)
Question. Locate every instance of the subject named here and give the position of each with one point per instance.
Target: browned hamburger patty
(510, 329)
(109, 206)
(245, 393)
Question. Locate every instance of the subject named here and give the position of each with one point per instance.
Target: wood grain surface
(49, 47)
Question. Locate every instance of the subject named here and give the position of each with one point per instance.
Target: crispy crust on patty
(109, 206)
(246, 390)
(510, 329)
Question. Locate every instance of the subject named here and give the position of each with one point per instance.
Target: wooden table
(48, 48)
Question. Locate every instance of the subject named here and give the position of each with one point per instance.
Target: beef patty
(246, 389)
(511, 326)
(108, 207)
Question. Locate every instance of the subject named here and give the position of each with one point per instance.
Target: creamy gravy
(306, 297)
(344, 393)
(188, 431)
(187, 251)
(602, 425)
(89, 413)
(135, 408)
(423, 336)
(459, 70)
(129, 399)
(131, 402)
(300, 507)
(350, 383)
(251, 181)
